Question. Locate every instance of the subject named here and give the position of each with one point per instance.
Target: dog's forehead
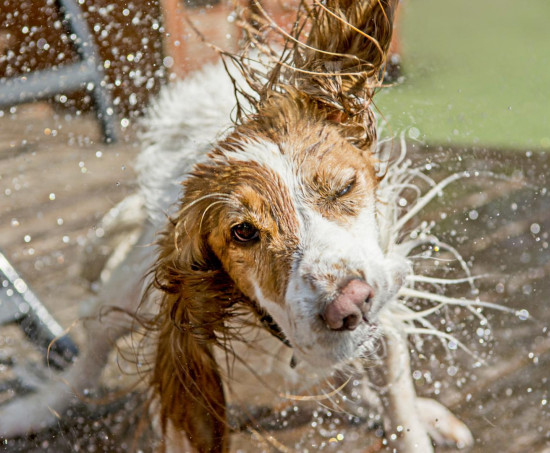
(258, 178)
(300, 154)
(269, 177)
(327, 156)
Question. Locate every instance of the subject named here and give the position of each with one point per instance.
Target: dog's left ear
(349, 40)
(188, 385)
(343, 63)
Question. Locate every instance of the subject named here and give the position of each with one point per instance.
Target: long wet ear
(343, 61)
(349, 41)
(336, 69)
(195, 302)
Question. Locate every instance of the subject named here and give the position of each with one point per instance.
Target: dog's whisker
(458, 257)
(423, 321)
(316, 397)
(211, 205)
(270, 441)
(413, 293)
(216, 195)
(413, 315)
(399, 188)
(420, 174)
(429, 196)
(444, 281)
(423, 257)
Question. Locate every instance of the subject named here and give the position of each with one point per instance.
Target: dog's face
(293, 224)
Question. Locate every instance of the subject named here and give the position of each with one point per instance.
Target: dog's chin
(331, 350)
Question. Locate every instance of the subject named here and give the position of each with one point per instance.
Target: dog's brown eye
(345, 190)
(245, 232)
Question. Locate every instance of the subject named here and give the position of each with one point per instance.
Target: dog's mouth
(368, 329)
(332, 328)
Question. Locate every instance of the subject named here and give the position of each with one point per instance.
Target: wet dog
(271, 266)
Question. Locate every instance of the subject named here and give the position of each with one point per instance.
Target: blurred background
(475, 73)
(471, 72)
(469, 88)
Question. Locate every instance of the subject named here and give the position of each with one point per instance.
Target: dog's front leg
(405, 429)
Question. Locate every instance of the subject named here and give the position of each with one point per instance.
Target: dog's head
(282, 217)
(290, 217)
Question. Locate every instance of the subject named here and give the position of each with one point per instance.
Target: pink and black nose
(350, 307)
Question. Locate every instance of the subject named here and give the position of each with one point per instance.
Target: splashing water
(396, 213)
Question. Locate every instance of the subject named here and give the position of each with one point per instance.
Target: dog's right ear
(193, 307)
(334, 72)
(343, 63)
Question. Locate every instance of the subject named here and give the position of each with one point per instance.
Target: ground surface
(500, 225)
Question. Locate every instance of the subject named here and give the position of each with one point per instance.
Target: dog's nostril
(351, 322)
(365, 307)
(350, 307)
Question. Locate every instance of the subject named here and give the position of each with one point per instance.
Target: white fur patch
(268, 155)
(331, 252)
(181, 127)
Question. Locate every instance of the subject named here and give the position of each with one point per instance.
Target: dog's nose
(350, 307)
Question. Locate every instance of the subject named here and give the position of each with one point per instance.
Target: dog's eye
(345, 190)
(245, 232)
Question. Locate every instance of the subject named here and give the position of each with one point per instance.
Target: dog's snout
(350, 307)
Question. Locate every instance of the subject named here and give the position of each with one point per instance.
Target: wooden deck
(57, 179)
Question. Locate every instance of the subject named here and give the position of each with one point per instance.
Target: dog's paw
(35, 412)
(442, 425)
(21, 416)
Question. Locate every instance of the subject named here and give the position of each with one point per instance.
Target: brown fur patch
(325, 159)
(260, 198)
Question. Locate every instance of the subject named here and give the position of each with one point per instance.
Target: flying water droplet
(522, 314)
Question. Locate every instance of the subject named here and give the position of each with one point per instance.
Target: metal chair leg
(18, 304)
(68, 78)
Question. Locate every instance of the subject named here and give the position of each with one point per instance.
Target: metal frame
(18, 304)
(68, 78)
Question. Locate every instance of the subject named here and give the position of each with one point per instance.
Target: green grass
(476, 72)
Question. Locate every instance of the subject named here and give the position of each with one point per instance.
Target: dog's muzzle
(350, 307)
